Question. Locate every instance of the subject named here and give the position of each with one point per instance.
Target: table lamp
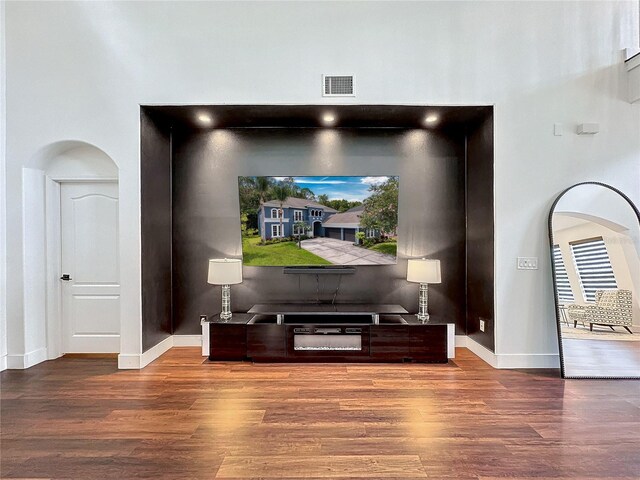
(225, 272)
(424, 272)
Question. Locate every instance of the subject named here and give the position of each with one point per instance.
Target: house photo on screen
(312, 221)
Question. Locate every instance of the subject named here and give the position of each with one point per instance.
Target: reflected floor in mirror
(601, 358)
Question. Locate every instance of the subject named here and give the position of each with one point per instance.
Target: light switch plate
(527, 263)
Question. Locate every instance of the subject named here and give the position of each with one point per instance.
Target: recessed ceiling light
(328, 119)
(431, 119)
(205, 119)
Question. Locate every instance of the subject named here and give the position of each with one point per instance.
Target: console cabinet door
(422, 343)
(227, 341)
(266, 342)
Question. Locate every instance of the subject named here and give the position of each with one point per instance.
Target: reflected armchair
(612, 308)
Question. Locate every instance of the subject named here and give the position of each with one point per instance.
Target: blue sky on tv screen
(347, 188)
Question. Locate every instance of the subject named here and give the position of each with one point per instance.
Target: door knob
(65, 277)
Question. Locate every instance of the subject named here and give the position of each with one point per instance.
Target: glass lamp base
(423, 310)
(225, 315)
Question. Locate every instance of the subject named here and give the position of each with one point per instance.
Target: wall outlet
(203, 318)
(527, 263)
(482, 325)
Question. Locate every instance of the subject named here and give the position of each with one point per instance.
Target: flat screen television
(315, 221)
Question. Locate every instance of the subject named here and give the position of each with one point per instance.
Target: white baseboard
(3, 363)
(187, 340)
(136, 362)
(483, 352)
(129, 361)
(529, 360)
(461, 341)
(156, 351)
(509, 360)
(29, 359)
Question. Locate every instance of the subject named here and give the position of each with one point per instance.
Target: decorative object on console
(423, 271)
(225, 272)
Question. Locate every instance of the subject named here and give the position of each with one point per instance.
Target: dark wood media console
(328, 333)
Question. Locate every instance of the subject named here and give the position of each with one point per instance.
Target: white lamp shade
(225, 271)
(422, 270)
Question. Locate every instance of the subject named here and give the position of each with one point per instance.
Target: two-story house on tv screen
(293, 211)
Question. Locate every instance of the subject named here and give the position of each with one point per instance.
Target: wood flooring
(185, 418)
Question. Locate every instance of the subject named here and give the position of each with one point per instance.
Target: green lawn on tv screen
(277, 254)
(390, 248)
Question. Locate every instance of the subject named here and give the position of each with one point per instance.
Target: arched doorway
(71, 217)
(317, 228)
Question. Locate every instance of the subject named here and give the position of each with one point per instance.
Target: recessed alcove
(191, 157)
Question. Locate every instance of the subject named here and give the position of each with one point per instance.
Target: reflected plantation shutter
(565, 295)
(594, 267)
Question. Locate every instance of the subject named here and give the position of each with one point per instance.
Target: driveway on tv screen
(340, 252)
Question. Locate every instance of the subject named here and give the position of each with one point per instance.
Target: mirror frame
(553, 272)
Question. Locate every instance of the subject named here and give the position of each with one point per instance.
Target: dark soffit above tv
(311, 116)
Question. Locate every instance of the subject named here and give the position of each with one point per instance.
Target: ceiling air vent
(338, 86)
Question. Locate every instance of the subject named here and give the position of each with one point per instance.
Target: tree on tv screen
(381, 207)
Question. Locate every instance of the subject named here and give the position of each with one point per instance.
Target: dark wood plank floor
(181, 418)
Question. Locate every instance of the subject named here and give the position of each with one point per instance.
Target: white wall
(3, 224)
(33, 328)
(80, 161)
(80, 71)
(633, 69)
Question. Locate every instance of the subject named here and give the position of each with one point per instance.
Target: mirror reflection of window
(593, 266)
(565, 295)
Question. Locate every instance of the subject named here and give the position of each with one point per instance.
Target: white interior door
(91, 296)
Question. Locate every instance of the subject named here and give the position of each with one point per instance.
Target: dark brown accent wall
(190, 211)
(480, 233)
(206, 222)
(155, 178)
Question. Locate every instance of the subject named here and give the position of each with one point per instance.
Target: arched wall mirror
(594, 234)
